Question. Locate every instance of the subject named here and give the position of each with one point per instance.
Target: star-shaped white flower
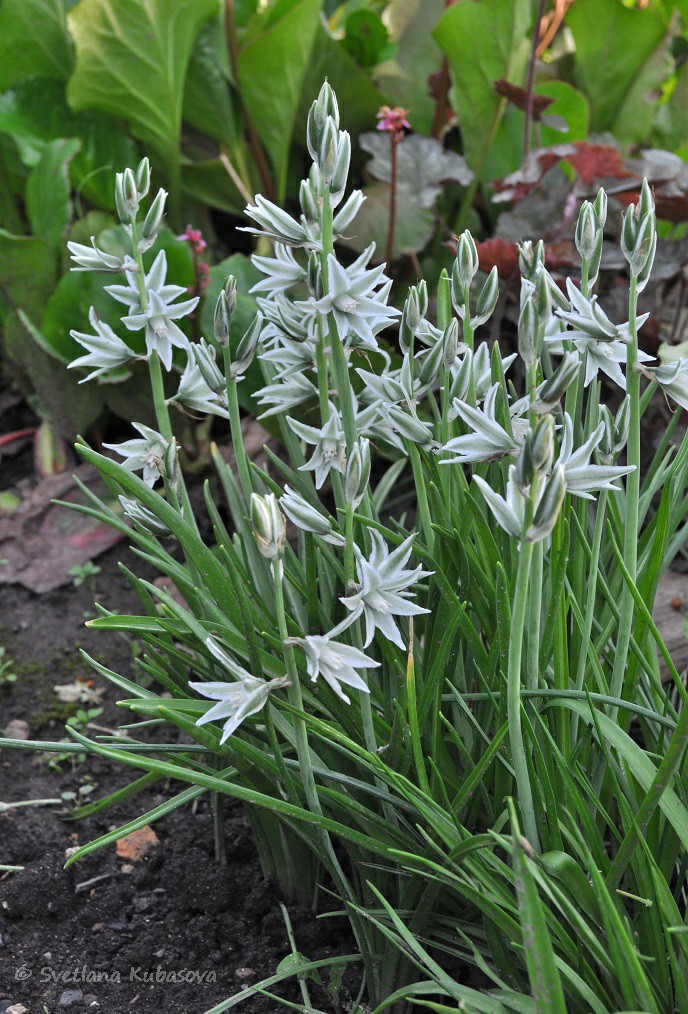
(354, 303)
(105, 351)
(383, 590)
(336, 662)
(144, 454)
(238, 700)
(330, 446)
(582, 477)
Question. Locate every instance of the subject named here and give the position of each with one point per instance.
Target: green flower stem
(416, 745)
(341, 371)
(295, 697)
(423, 504)
(323, 374)
(630, 547)
(514, 673)
(311, 569)
(243, 466)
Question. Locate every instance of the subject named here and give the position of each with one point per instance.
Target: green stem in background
(631, 533)
(217, 806)
(530, 85)
(243, 466)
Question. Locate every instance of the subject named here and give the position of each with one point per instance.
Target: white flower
(286, 393)
(673, 379)
(193, 392)
(105, 350)
(278, 224)
(308, 518)
(143, 454)
(383, 588)
(488, 438)
(582, 477)
(282, 271)
(353, 302)
(159, 317)
(587, 317)
(510, 511)
(236, 701)
(336, 662)
(330, 446)
(91, 258)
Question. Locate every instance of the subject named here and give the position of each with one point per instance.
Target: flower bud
(126, 197)
(246, 348)
(553, 390)
(600, 207)
(528, 328)
(143, 520)
(269, 525)
(308, 518)
(412, 314)
(341, 169)
(153, 221)
(327, 151)
(357, 472)
(408, 426)
(644, 245)
(543, 445)
(462, 381)
(549, 507)
(171, 471)
(531, 259)
(586, 231)
(466, 263)
(315, 286)
(431, 365)
(204, 355)
(450, 343)
(324, 108)
(543, 298)
(646, 204)
(309, 205)
(224, 311)
(142, 178)
(487, 300)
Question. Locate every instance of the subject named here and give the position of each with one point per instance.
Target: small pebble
(70, 997)
(245, 973)
(91, 1001)
(17, 1008)
(17, 729)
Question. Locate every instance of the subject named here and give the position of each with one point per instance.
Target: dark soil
(176, 911)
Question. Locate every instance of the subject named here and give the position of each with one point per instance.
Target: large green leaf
(35, 112)
(131, 61)
(272, 69)
(34, 41)
(483, 42)
(48, 190)
(28, 272)
(207, 100)
(613, 46)
(405, 76)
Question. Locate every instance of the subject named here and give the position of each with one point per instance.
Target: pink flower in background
(194, 237)
(393, 121)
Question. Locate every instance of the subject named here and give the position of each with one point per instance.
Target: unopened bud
(204, 355)
(269, 525)
(450, 343)
(601, 209)
(543, 298)
(466, 263)
(142, 179)
(341, 169)
(487, 300)
(246, 348)
(530, 258)
(431, 365)
(153, 221)
(224, 311)
(528, 327)
(126, 197)
(553, 390)
(543, 445)
(412, 313)
(327, 151)
(314, 275)
(586, 231)
(309, 205)
(549, 507)
(143, 520)
(357, 472)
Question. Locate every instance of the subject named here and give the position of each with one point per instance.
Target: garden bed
(173, 910)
